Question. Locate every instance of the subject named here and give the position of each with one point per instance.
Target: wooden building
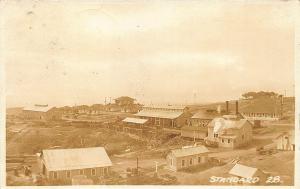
(165, 116)
(229, 133)
(41, 112)
(134, 125)
(64, 164)
(286, 141)
(246, 172)
(197, 125)
(187, 157)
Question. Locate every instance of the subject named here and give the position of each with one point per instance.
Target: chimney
(227, 107)
(236, 107)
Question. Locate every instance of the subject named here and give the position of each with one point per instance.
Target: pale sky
(64, 53)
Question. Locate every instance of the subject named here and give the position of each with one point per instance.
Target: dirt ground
(28, 138)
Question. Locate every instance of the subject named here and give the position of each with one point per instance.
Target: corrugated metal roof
(134, 120)
(160, 114)
(243, 171)
(189, 151)
(76, 158)
(37, 108)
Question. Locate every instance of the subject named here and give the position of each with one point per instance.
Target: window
(81, 172)
(182, 163)
(55, 175)
(222, 140)
(68, 174)
(171, 161)
(199, 159)
(191, 161)
(228, 140)
(215, 135)
(243, 137)
(93, 172)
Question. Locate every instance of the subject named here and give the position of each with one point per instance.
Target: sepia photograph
(127, 92)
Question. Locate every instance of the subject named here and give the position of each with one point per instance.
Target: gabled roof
(76, 158)
(221, 124)
(189, 151)
(38, 108)
(159, 113)
(134, 120)
(243, 171)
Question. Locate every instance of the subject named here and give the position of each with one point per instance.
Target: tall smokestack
(237, 107)
(227, 107)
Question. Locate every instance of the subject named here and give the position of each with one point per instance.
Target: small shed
(286, 141)
(133, 125)
(243, 171)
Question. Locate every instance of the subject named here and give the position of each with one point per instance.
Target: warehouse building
(64, 164)
(165, 116)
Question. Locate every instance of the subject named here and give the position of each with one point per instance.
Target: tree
(254, 95)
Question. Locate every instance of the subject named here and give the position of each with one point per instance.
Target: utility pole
(156, 166)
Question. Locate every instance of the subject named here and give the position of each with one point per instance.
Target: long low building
(64, 164)
(41, 112)
(165, 116)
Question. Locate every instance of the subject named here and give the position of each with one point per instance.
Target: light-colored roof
(134, 120)
(243, 171)
(159, 114)
(38, 108)
(220, 124)
(189, 151)
(76, 158)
